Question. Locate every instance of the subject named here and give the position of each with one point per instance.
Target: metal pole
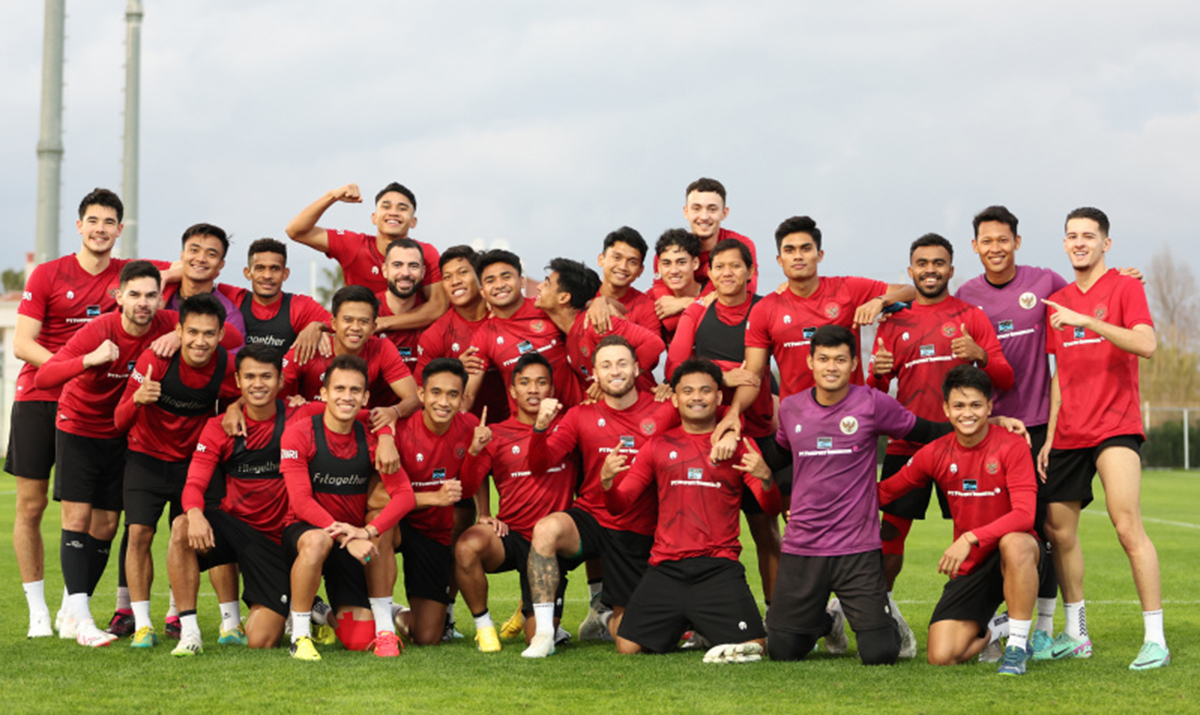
(133, 72)
(50, 145)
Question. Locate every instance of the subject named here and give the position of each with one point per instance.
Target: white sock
(123, 599)
(189, 625)
(381, 609)
(172, 609)
(894, 606)
(301, 625)
(999, 626)
(76, 606)
(35, 596)
(543, 617)
(1076, 614)
(483, 620)
(1045, 614)
(141, 614)
(1154, 627)
(1018, 633)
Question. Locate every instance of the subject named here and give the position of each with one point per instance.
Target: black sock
(97, 552)
(74, 560)
(121, 582)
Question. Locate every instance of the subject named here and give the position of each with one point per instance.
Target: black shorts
(977, 595)
(91, 470)
(151, 484)
(625, 555)
(1070, 472)
(516, 558)
(709, 594)
(914, 504)
(31, 439)
(345, 577)
(266, 572)
(428, 565)
(804, 584)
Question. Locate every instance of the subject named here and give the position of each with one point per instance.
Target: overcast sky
(548, 125)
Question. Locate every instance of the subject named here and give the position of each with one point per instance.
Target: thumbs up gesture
(884, 361)
(149, 390)
(964, 347)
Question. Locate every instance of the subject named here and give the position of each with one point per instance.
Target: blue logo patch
(808, 333)
(439, 474)
(970, 485)
(695, 473)
(928, 351)
(1006, 326)
(824, 442)
(1080, 333)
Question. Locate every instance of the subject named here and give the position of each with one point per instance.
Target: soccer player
(164, 418)
(502, 543)
(1100, 326)
(918, 347)
(704, 209)
(677, 254)
(987, 475)
(437, 442)
(61, 296)
(622, 262)
(588, 530)
(514, 328)
(361, 255)
(717, 332)
(205, 247)
(694, 577)
(247, 526)
(394, 391)
(328, 462)
(271, 315)
(403, 269)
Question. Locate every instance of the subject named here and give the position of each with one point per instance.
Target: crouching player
(694, 575)
(987, 474)
(247, 527)
(502, 543)
(327, 466)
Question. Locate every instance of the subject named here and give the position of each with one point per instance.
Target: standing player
(502, 543)
(918, 347)
(694, 578)
(403, 269)
(987, 474)
(205, 247)
(621, 263)
(677, 254)
(361, 255)
(164, 419)
(704, 209)
(60, 297)
(1100, 326)
(327, 464)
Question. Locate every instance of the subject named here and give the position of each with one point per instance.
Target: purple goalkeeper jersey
(835, 504)
(1017, 314)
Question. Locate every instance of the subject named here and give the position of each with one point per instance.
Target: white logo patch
(848, 425)
(1028, 300)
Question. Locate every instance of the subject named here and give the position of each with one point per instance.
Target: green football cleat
(1150, 657)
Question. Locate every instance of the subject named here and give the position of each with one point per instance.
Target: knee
(879, 647)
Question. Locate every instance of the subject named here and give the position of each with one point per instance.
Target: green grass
(59, 676)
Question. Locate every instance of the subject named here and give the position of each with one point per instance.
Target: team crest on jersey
(627, 441)
(832, 310)
(992, 466)
(787, 320)
(928, 351)
(538, 326)
(420, 457)
(824, 442)
(673, 455)
(600, 422)
(1005, 326)
(695, 473)
(970, 485)
(848, 425)
(93, 311)
(648, 427)
(1028, 300)
(954, 468)
(1100, 311)
(808, 333)
(516, 449)
(439, 473)
(948, 330)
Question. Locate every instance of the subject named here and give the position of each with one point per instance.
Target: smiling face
(99, 229)
(203, 258)
(199, 336)
(139, 301)
(1085, 243)
(345, 394)
(501, 285)
(704, 211)
(353, 324)
(460, 282)
(442, 396)
(729, 274)
(621, 265)
(832, 367)
(404, 269)
(996, 246)
(266, 273)
(616, 370)
(799, 256)
(530, 387)
(931, 271)
(394, 215)
(697, 397)
(258, 381)
(677, 268)
(968, 411)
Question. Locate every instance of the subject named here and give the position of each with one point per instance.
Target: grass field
(50, 675)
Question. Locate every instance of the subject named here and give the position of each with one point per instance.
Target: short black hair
(732, 244)
(1091, 212)
(628, 236)
(102, 197)
(684, 239)
(439, 365)
(931, 239)
(352, 363)
(833, 336)
(498, 255)
(966, 377)
(202, 304)
(706, 185)
(531, 358)
(398, 188)
(694, 365)
(999, 214)
(267, 245)
(610, 340)
(140, 269)
(797, 224)
(354, 294)
(405, 242)
(260, 352)
(468, 254)
(576, 280)
(207, 229)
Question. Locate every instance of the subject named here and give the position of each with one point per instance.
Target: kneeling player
(327, 465)
(247, 527)
(694, 576)
(987, 474)
(502, 543)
